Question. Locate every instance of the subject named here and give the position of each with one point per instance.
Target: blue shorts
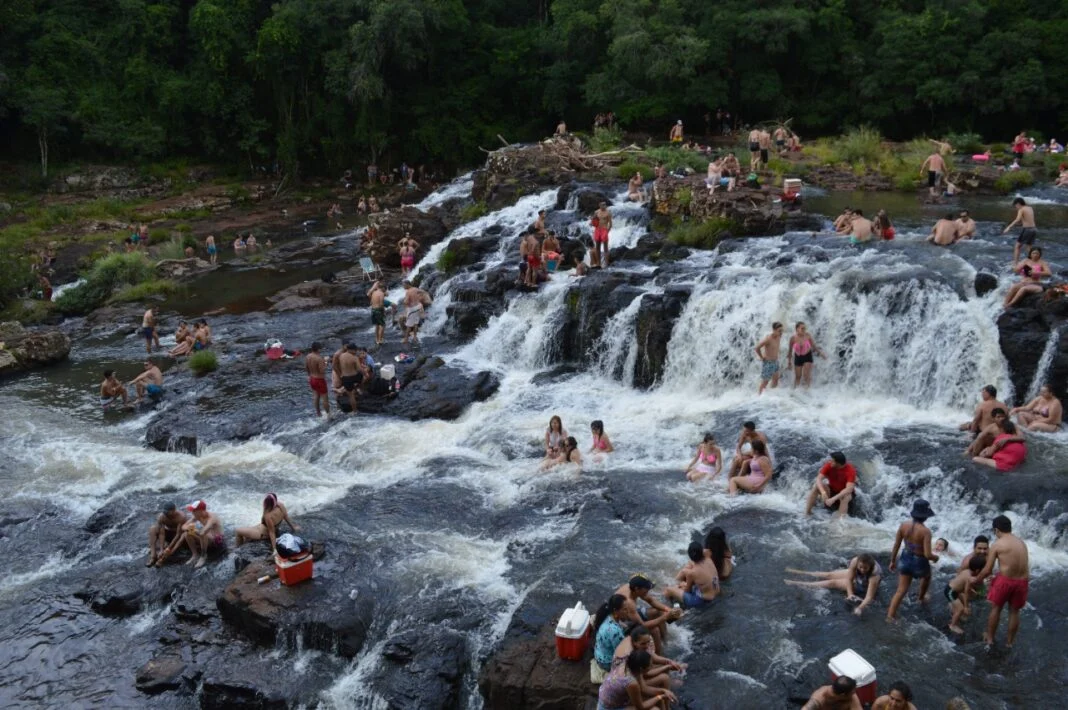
(211, 251)
(693, 601)
(154, 390)
(913, 566)
(768, 369)
(148, 333)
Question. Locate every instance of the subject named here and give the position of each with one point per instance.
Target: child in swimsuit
(707, 461)
(960, 591)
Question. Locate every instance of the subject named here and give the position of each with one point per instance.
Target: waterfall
(617, 348)
(1044, 363)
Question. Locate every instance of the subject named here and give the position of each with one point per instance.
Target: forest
(318, 86)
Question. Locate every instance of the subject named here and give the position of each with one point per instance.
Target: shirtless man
(899, 698)
(754, 150)
(378, 312)
(768, 352)
(1025, 217)
(936, 169)
(600, 235)
(731, 168)
(348, 367)
(944, 232)
(965, 226)
(988, 433)
(634, 188)
(550, 249)
(148, 329)
(415, 301)
(316, 367)
(743, 451)
(841, 225)
(111, 390)
(530, 250)
(149, 382)
(780, 136)
(984, 412)
(539, 223)
(675, 134)
(765, 146)
(561, 129)
(164, 531)
(656, 614)
(860, 228)
(698, 580)
(840, 695)
(1010, 584)
(210, 534)
(213, 249)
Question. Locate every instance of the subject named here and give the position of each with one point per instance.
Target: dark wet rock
(217, 694)
(525, 674)
(183, 269)
(30, 349)
(651, 248)
(656, 321)
(432, 390)
(591, 302)
(128, 594)
(985, 283)
(423, 669)
(164, 672)
(1024, 332)
(557, 373)
(833, 177)
(160, 438)
(473, 305)
(319, 611)
(587, 197)
(391, 226)
(195, 603)
(110, 516)
(345, 290)
(744, 211)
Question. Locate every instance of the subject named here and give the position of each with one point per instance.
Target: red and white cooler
(850, 664)
(573, 633)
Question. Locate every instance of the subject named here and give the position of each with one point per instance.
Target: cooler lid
(850, 663)
(573, 622)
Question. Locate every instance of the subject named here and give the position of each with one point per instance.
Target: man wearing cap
(839, 695)
(168, 523)
(210, 535)
(984, 413)
(654, 614)
(834, 485)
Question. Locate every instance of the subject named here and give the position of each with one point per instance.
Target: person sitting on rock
(372, 205)
(899, 698)
(149, 382)
(581, 269)
(1043, 413)
(657, 677)
(111, 390)
(550, 250)
(698, 580)
(624, 689)
(608, 632)
(1008, 450)
(361, 205)
(987, 435)
(208, 537)
(717, 550)
(163, 534)
(840, 695)
(183, 341)
(743, 451)
(835, 485)
(843, 224)
(274, 514)
(984, 412)
(569, 453)
(635, 193)
(755, 474)
(653, 614)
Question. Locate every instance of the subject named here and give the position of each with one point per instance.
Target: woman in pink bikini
(601, 443)
(707, 461)
(756, 472)
(1043, 413)
(801, 348)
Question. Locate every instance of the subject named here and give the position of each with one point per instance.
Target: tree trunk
(42, 143)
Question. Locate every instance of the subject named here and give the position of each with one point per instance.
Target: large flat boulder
(391, 226)
(29, 349)
(525, 674)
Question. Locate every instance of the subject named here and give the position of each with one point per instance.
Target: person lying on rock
(653, 614)
(698, 580)
(164, 532)
(657, 677)
(274, 514)
(200, 541)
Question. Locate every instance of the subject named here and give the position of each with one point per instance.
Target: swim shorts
(913, 565)
(378, 316)
(407, 262)
(763, 155)
(932, 178)
(600, 235)
(780, 144)
(349, 382)
(318, 384)
(1027, 236)
(754, 147)
(951, 596)
(211, 251)
(1012, 591)
(769, 369)
(693, 601)
(148, 333)
(805, 359)
(154, 390)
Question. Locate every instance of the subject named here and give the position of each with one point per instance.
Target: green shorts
(378, 316)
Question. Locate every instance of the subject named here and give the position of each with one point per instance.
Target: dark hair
(1019, 201)
(843, 685)
(637, 662)
(991, 390)
(556, 418)
(980, 538)
(950, 216)
(866, 559)
(315, 346)
(716, 544)
(751, 426)
(998, 410)
(597, 425)
(977, 563)
(708, 438)
(759, 447)
(269, 501)
(696, 552)
(1002, 524)
(639, 631)
(614, 604)
(776, 325)
(859, 211)
(838, 457)
(108, 373)
(570, 443)
(1008, 427)
(942, 539)
(1033, 249)
(903, 688)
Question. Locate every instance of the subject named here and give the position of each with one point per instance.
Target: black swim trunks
(378, 316)
(805, 359)
(1027, 236)
(350, 382)
(780, 144)
(932, 178)
(147, 333)
(763, 155)
(950, 594)
(754, 147)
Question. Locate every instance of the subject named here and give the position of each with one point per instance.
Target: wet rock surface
(526, 674)
(1025, 333)
(392, 225)
(744, 211)
(30, 349)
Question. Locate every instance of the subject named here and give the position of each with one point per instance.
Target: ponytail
(614, 604)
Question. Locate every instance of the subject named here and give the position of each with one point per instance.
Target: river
(461, 530)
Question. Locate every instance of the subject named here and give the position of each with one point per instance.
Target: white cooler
(573, 633)
(850, 664)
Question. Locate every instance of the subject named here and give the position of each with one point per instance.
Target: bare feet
(192, 560)
(956, 629)
(200, 563)
(151, 561)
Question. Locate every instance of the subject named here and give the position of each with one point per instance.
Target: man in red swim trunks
(602, 220)
(835, 484)
(316, 367)
(1009, 585)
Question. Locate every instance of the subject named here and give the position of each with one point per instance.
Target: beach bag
(289, 546)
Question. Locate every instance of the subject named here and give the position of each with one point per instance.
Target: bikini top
(803, 347)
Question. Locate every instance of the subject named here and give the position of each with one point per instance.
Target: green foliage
(626, 171)
(27, 311)
(673, 158)
(684, 196)
(159, 235)
(171, 249)
(451, 259)
(474, 211)
(185, 228)
(15, 276)
(1013, 180)
(604, 139)
(145, 290)
(966, 143)
(862, 145)
(701, 234)
(998, 149)
(111, 272)
(202, 362)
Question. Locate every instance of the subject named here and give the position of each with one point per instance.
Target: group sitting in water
(631, 628)
(560, 448)
(189, 340)
(997, 442)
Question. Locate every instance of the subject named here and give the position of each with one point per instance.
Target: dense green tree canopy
(321, 85)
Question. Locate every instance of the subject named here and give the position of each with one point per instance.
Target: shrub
(455, 255)
(702, 235)
(999, 149)
(172, 249)
(1010, 181)
(684, 196)
(860, 145)
(626, 171)
(606, 139)
(966, 143)
(473, 211)
(674, 157)
(15, 276)
(188, 240)
(158, 235)
(203, 362)
(104, 277)
(145, 290)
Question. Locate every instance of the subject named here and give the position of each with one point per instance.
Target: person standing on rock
(561, 129)
(780, 139)
(635, 193)
(539, 223)
(111, 390)
(316, 367)
(916, 557)
(754, 150)
(149, 382)
(378, 312)
(415, 301)
(550, 249)
(675, 134)
(1010, 584)
(213, 249)
(768, 352)
(1025, 217)
(164, 532)
(765, 147)
(148, 329)
(802, 346)
(602, 225)
(984, 412)
(351, 375)
(531, 252)
(935, 166)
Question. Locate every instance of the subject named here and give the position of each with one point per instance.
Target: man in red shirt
(835, 484)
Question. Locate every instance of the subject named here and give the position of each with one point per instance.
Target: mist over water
(463, 529)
